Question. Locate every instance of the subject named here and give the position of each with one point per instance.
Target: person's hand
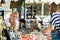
(13, 23)
(43, 31)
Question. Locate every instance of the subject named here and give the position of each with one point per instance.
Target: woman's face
(49, 7)
(13, 17)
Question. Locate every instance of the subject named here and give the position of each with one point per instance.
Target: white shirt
(1, 8)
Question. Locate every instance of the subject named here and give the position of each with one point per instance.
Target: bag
(14, 4)
(6, 34)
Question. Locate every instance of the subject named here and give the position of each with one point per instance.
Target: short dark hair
(54, 7)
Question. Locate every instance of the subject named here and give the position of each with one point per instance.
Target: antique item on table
(48, 35)
(29, 15)
(14, 4)
(34, 25)
(22, 20)
(39, 36)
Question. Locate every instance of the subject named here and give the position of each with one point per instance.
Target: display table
(31, 36)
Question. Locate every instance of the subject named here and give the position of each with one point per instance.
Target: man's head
(53, 7)
(14, 16)
(1, 4)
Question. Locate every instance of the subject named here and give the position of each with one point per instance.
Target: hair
(54, 7)
(59, 5)
(15, 13)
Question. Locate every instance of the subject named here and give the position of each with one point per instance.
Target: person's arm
(49, 29)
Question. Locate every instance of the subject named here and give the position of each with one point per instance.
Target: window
(33, 9)
(46, 10)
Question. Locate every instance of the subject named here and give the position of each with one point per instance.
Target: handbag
(14, 4)
(5, 34)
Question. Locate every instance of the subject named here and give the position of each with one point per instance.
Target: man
(54, 28)
(12, 21)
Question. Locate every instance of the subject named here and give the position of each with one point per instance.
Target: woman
(55, 22)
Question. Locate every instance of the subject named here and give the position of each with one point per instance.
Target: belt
(56, 30)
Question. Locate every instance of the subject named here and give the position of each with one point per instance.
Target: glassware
(4, 38)
(12, 35)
